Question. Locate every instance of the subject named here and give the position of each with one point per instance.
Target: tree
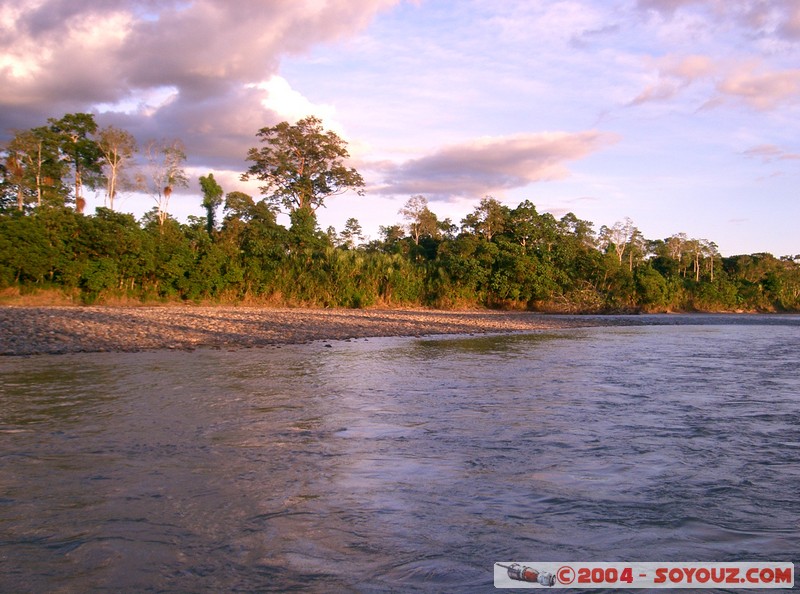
(34, 167)
(6, 199)
(636, 248)
(712, 252)
(212, 198)
(617, 237)
(523, 223)
(695, 249)
(699, 249)
(117, 148)
(82, 152)
(675, 245)
(391, 241)
(579, 229)
(301, 165)
(238, 206)
(165, 163)
(352, 233)
(487, 219)
(530, 229)
(421, 221)
(14, 177)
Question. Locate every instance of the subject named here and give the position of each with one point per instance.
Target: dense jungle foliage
(497, 256)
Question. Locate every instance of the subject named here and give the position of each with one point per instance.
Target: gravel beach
(55, 330)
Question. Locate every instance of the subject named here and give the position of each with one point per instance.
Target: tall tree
(675, 245)
(7, 191)
(238, 206)
(14, 177)
(352, 233)
(212, 198)
(578, 229)
(617, 237)
(637, 248)
(302, 165)
(523, 223)
(165, 161)
(80, 150)
(695, 248)
(34, 167)
(118, 148)
(420, 220)
(712, 252)
(488, 219)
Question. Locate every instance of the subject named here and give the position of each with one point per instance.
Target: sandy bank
(35, 330)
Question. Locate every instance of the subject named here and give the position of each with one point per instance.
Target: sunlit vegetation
(496, 256)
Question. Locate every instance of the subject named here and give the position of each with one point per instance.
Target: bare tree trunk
(80, 203)
(39, 163)
(162, 206)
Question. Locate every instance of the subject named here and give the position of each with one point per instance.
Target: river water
(394, 465)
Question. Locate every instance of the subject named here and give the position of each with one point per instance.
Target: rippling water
(400, 464)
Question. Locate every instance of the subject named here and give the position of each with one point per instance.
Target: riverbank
(56, 330)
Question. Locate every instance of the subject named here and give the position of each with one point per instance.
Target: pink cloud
(761, 90)
(688, 68)
(748, 83)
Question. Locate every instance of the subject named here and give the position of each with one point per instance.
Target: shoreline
(55, 330)
(94, 329)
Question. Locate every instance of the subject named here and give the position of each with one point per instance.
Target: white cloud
(291, 105)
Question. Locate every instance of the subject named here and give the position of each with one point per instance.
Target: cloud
(746, 83)
(659, 91)
(485, 165)
(585, 39)
(60, 56)
(768, 18)
(554, 22)
(777, 18)
(667, 7)
(759, 89)
(674, 74)
(769, 153)
(291, 105)
(790, 27)
(688, 68)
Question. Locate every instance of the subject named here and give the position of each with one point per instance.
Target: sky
(683, 115)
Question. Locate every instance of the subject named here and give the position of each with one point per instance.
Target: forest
(496, 257)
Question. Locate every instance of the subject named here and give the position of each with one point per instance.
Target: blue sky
(680, 114)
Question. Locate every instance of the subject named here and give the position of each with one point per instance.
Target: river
(401, 464)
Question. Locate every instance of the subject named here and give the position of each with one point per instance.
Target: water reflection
(53, 394)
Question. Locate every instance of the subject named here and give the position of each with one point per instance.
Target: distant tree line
(496, 256)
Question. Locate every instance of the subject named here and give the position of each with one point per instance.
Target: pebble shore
(56, 330)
